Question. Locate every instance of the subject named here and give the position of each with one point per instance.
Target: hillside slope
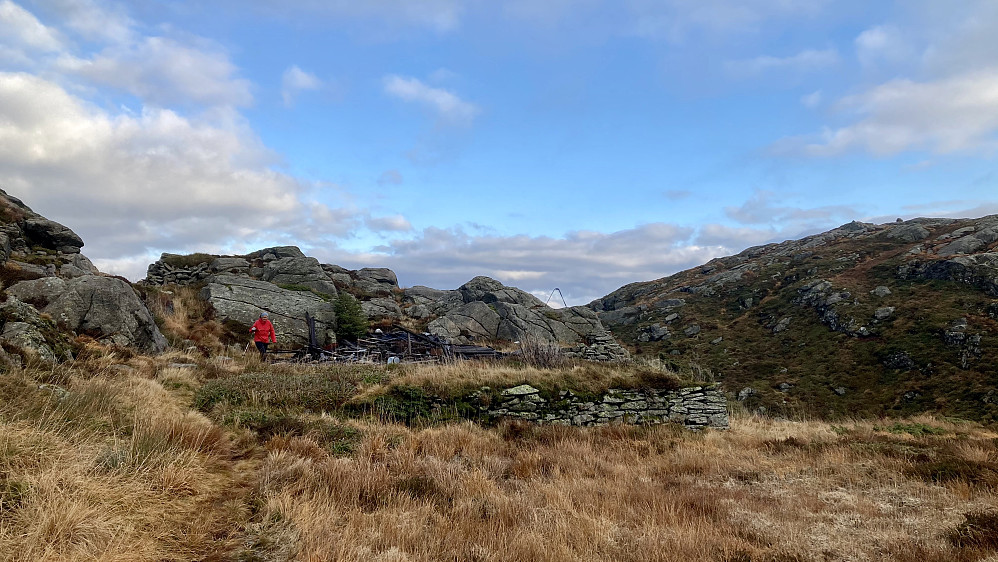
(862, 320)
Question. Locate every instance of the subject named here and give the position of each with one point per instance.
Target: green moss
(916, 429)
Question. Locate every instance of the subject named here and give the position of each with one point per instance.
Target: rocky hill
(862, 320)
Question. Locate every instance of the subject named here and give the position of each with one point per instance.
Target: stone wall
(695, 407)
(162, 273)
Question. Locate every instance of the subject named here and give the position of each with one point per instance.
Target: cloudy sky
(580, 144)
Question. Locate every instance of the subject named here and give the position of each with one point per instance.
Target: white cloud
(131, 184)
(165, 72)
(390, 177)
(812, 100)
(762, 209)
(675, 19)
(395, 223)
(734, 239)
(296, 80)
(804, 61)
(586, 265)
(438, 15)
(94, 20)
(955, 114)
(446, 105)
(20, 28)
(882, 44)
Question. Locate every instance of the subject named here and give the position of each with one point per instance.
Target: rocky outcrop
(46, 276)
(240, 299)
(979, 271)
(284, 282)
(167, 271)
(24, 328)
(694, 408)
(38, 246)
(382, 309)
(299, 272)
(287, 267)
(106, 308)
(484, 309)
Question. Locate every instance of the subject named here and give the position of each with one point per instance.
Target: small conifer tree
(351, 322)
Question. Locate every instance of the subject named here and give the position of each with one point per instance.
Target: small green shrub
(914, 429)
(217, 391)
(351, 322)
(405, 404)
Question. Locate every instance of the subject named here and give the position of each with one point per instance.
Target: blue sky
(580, 144)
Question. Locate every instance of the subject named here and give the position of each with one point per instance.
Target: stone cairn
(695, 408)
(598, 347)
(162, 273)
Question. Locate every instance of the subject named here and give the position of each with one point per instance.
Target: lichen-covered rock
(241, 299)
(33, 241)
(466, 323)
(978, 270)
(375, 281)
(485, 309)
(276, 253)
(381, 309)
(106, 308)
(25, 328)
(229, 265)
(908, 232)
(299, 271)
(51, 234)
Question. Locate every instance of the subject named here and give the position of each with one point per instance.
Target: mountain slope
(862, 320)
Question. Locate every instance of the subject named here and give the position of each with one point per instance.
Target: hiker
(263, 334)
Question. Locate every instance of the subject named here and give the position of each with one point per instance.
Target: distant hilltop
(863, 319)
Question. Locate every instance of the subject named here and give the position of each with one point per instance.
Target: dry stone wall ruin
(695, 407)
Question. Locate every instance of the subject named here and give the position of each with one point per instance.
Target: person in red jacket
(263, 334)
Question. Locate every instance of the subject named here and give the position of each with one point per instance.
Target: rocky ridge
(863, 319)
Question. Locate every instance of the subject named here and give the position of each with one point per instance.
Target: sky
(578, 144)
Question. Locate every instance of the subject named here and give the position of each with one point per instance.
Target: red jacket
(263, 331)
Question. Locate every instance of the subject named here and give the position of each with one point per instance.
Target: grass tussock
(188, 321)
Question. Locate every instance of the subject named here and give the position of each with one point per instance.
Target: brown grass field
(123, 468)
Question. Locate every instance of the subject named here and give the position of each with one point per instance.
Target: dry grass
(762, 491)
(187, 320)
(123, 469)
(115, 470)
(455, 379)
